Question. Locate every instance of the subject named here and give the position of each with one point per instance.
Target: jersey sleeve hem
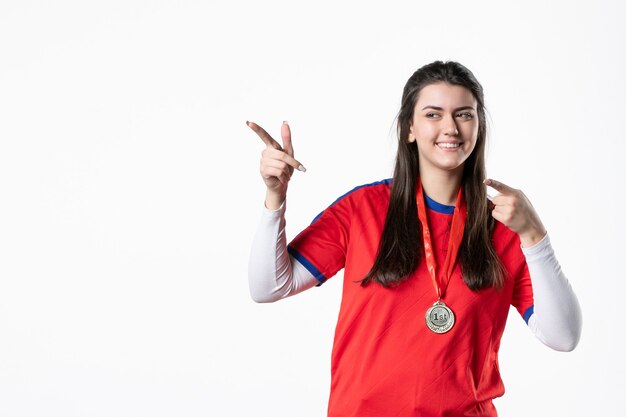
(307, 264)
(529, 312)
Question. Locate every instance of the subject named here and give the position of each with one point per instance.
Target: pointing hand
(277, 163)
(513, 209)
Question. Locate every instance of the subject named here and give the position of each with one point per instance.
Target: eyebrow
(441, 109)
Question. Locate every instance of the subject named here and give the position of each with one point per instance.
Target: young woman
(431, 265)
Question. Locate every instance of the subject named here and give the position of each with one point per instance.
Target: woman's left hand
(514, 210)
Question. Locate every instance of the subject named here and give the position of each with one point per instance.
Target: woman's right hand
(277, 164)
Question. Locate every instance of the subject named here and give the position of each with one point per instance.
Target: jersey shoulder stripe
(381, 182)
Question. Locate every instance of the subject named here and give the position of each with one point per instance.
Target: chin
(451, 165)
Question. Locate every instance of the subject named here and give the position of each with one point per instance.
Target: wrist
(532, 237)
(273, 200)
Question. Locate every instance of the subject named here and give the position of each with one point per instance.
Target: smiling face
(445, 127)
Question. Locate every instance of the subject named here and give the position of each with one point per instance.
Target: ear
(411, 135)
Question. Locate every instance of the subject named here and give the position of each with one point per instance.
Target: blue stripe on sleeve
(308, 265)
(529, 312)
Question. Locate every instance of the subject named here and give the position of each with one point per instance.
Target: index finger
(265, 137)
(498, 186)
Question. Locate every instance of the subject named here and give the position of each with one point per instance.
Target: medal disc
(439, 318)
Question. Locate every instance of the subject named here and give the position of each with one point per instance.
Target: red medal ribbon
(456, 237)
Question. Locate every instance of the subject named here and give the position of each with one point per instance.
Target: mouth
(449, 145)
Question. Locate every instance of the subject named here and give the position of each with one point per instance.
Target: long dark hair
(401, 246)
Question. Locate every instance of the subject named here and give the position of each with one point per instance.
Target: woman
(431, 265)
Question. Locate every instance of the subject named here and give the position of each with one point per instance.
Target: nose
(450, 127)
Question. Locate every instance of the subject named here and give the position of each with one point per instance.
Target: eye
(432, 115)
(465, 115)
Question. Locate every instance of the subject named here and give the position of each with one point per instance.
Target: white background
(129, 190)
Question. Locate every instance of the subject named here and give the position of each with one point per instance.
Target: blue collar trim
(438, 207)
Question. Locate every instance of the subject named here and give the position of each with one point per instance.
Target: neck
(442, 186)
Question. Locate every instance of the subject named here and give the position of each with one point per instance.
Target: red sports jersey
(385, 360)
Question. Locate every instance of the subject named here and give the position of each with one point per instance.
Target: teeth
(449, 145)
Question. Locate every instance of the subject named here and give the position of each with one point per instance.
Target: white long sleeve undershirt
(273, 274)
(557, 318)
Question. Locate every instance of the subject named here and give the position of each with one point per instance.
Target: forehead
(445, 95)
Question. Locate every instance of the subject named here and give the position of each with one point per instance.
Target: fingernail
(302, 168)
(285, 122)
(248, 123)
(487, 181)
